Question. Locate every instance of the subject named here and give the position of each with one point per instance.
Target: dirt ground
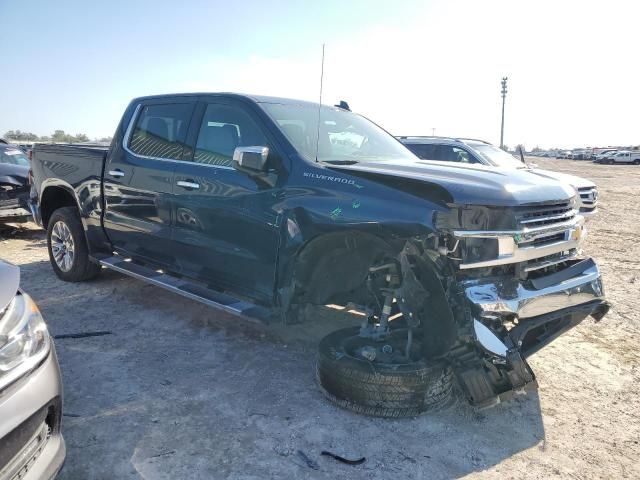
(182, 391)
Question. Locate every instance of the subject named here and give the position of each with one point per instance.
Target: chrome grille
(545, 240)
(20, 465)
(550, 260)
(545, 215)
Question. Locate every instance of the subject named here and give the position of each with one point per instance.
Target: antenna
(320, 104)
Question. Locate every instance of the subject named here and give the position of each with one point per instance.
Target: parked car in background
(14, 185)
(625, 156)
(262, 206)
(595, 153)
(603, 157)
(31, 445)
(470, 151)
(579, 155)
(25, 147)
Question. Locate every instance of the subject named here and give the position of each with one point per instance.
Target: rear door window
(223, 129)
(160, 130)
(449, 153)
(423, 151)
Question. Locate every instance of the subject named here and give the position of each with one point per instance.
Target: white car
(586, 189)
(483, 153)
(625, 156)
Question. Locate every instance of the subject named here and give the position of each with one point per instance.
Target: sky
(411, 66)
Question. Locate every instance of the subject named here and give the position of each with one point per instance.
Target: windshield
(13, 156)
(497, 157)
(344, 136)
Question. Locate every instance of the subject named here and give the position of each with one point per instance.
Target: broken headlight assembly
(24, 339)
(473, 219)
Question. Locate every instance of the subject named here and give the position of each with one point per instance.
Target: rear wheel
(636, 161)
(375, 377)
(68, 252)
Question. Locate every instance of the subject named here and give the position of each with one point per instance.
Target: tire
(76, 267)
(380, 389)
(636, 162)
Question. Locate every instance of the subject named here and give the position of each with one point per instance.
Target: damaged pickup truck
(262, 206)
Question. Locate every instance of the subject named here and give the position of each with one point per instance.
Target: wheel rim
(62, 246)
(396, 341)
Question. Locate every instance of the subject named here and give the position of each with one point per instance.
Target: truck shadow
(180, 390)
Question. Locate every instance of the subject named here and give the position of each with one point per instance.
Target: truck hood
(577, 182)
(468, 184)
(9, 283)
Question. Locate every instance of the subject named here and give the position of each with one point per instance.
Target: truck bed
(76, 168)
(72, 164)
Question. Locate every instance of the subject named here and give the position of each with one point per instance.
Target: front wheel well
(336, 264)
(52, 199)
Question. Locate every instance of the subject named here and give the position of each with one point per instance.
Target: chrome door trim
(185, 184)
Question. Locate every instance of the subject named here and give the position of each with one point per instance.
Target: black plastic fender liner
(331, 264)
(423, 296)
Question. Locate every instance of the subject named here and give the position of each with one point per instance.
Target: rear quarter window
(160, 130)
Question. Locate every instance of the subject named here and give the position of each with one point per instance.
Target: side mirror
(253, 159)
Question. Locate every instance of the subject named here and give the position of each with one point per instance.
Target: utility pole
(433, 131)
(504, 94)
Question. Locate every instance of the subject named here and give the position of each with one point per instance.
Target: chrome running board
(184, 287)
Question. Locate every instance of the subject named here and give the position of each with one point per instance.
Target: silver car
(31, 446)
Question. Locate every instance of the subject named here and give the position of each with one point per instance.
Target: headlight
(474, 217)
(24, 339)
(479, 249)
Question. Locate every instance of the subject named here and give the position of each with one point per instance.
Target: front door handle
(116, 173)
(188, 184)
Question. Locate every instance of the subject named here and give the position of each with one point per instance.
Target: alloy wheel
(62, 246)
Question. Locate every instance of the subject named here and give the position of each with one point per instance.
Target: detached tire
(380, 389)
(68, 252)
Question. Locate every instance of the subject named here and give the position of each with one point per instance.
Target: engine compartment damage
(484, 323)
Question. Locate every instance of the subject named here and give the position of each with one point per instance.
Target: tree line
(59, 136)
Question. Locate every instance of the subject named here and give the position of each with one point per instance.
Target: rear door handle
(116, 173)
(188, 184)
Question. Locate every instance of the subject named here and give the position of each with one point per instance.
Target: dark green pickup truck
(262, 205)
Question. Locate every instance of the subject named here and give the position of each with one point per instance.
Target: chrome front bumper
(509, 297)
(512, 320)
